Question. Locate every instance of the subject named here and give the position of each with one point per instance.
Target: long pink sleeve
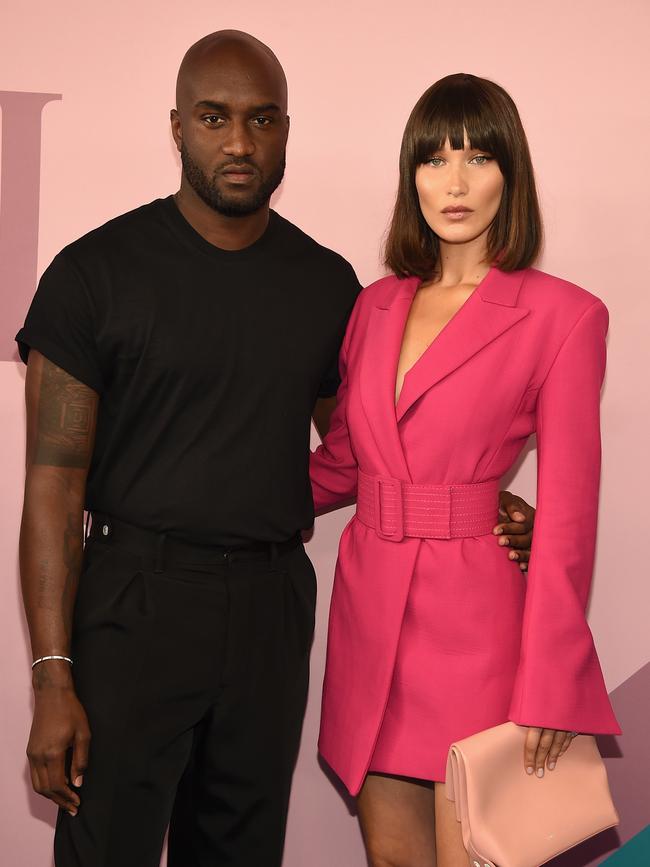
(559, 683)
(332, 466)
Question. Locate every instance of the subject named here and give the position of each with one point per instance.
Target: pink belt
(395, 509)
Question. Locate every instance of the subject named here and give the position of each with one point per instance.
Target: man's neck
(227, 233)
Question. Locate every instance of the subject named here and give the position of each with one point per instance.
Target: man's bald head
(225, 50)
(230, 123)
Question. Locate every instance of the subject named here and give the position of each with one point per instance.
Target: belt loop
(449, 510)
(397, 534)
(159, 556)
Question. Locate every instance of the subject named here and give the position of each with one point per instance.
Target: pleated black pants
(194, 679)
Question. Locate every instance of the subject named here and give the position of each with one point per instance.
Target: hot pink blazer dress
(434, 639)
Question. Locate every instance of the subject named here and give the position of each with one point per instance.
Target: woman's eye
(435, 161)
(480, 159)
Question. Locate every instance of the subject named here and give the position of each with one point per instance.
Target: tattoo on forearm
(66, 420)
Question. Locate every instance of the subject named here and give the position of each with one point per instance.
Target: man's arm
(61, 419)
(322, 414)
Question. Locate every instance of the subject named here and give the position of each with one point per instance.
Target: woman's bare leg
(397, 822)
(449, 841)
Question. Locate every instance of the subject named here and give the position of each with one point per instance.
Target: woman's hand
(544, 747)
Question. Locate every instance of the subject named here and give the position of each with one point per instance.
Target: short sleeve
(60, 324)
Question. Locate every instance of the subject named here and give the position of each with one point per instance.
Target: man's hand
(61, 417)
(59, 723)
(516, 532)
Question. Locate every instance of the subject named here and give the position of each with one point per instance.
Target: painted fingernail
(78, 781)
(498, 531)
(503, 540)
(540, 772)
(72, 812)
(529, 770)
(551, 765)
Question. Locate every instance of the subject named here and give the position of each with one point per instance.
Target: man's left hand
(516, 531)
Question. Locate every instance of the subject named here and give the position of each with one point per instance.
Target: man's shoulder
(115, 233)
(303, 245)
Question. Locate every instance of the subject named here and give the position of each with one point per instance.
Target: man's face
(231, 129)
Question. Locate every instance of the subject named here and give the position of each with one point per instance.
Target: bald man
(175, 356)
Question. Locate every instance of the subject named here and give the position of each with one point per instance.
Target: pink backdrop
(102, 77)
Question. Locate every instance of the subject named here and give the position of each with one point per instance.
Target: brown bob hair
(452, 107)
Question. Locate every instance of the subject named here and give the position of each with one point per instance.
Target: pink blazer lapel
(379, 360)
(487, 313)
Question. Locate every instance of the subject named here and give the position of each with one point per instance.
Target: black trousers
(194, 677)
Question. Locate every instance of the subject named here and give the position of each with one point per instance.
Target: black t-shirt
(208, 364)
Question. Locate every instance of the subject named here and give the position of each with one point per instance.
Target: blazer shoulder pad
(547, 292)
(558, 305)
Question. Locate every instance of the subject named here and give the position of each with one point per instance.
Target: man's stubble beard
(235, 206)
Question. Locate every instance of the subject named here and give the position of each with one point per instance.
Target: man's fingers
(79, 763)
(38, 771)
(44, 781)
(510, 528)
(516, 510)
(518, 539)
(36, 782)
(517, 547)
(509, 504)
(520, 544)
(58, 789)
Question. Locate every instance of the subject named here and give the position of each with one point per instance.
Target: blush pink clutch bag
(511, 819)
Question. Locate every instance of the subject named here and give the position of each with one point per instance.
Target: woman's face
(459, 192)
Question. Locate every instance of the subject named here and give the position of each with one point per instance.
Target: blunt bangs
(451, 113)
(453, 108)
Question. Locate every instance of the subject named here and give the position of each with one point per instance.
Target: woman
(433, 635)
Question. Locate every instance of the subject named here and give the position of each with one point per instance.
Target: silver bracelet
(43, 658)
